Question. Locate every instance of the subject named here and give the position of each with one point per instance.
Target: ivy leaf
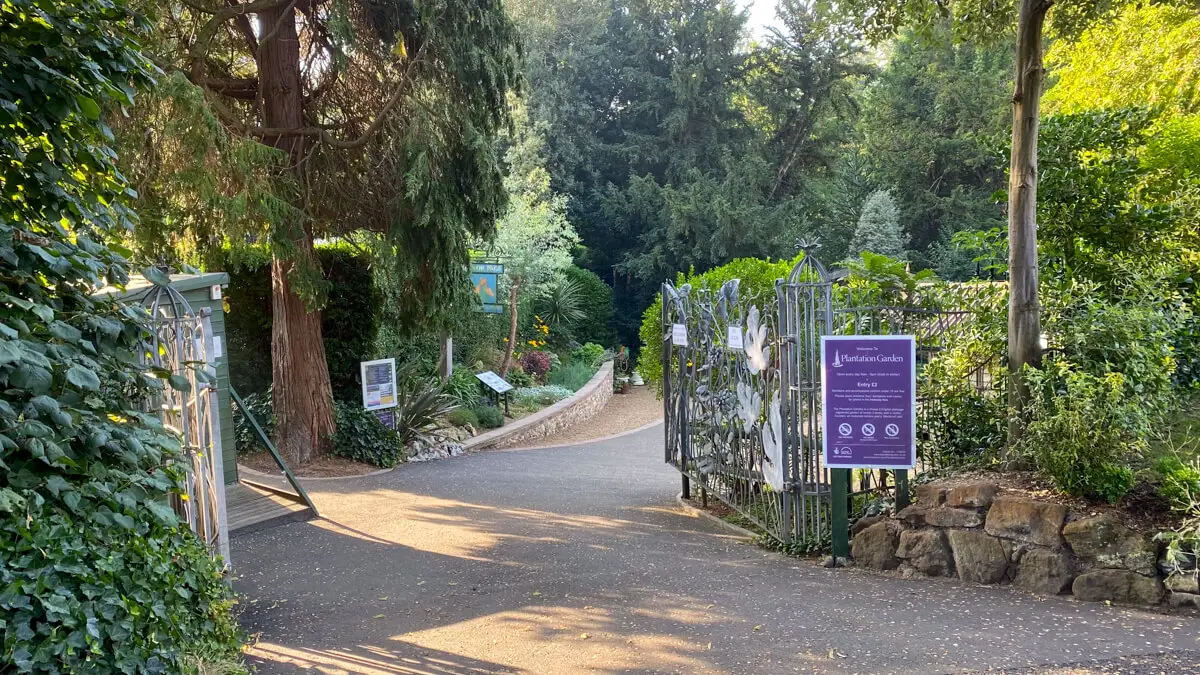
(32, 378)
(88, 106)
(10, 351)
(123, 520)
(83, 378)
(179, 383)
(56, 484)
(163, 512)
(10, 501)
(156, 276)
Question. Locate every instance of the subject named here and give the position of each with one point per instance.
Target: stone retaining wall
(973, 532)
(581, 407)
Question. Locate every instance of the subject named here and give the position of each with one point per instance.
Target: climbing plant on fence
(98, 574)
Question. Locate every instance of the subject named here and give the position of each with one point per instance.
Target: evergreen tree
(878, 228)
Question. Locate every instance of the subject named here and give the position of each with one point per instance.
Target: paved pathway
(577, 560)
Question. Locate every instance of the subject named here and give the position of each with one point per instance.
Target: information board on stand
(869, 406)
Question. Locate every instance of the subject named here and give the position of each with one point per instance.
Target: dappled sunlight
(368, 660)
(572, 639)
(458, 528)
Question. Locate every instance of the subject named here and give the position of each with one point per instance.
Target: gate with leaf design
(742, 393)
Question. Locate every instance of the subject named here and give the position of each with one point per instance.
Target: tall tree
(928, 128)
(985, 22)
(379, 117)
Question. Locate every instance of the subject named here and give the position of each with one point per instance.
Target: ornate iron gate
(182, 346)
(743, 422)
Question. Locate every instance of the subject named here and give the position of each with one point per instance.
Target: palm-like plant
(563, 305)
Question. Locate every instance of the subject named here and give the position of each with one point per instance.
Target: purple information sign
(869, 394)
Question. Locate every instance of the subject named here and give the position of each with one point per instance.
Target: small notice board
(379, 384)
(868, 396)
(494, 382)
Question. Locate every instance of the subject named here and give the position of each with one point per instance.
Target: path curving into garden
(578, 560)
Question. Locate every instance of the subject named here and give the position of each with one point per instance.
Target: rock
(927, 552)
(1026, 520)
(972, 495)
(929, 495)
(832, 562)
(875, 547)
(947, 517)
(863, 523)
(1043, 571)
(913, 516)
(978, 557)
(1184, 600)
(1102, 541)
(1119, 586)
(1182, 582)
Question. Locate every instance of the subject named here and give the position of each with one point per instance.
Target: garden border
(545, 422)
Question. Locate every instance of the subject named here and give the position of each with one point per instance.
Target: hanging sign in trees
(869, 402)
(379, 384)
(485, 285)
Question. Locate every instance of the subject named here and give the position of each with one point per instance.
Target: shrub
(597, 305)
(518, 378)
(490, 417)
(535, 363)
(258, 404)
(1082, 431)
(572, 376)
(591, 353)
(461, 417)
(535, 397)
(98, 573)
(1180, 483)
(463, 387)
(419, 405)
(361, 437)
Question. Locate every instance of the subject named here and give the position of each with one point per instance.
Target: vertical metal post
(687, 486)
(901, 488)
(840, 495)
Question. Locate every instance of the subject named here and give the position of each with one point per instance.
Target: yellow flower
(533, 343)
(184, 497)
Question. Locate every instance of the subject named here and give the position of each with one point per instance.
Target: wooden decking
(252, 508)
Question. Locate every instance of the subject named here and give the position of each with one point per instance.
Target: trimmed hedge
(348, 321)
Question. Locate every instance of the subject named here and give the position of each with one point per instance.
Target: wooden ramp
(252, 507)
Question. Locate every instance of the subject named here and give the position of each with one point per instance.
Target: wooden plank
(252, 508)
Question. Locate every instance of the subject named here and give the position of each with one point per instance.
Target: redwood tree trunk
(512, 326)
(303, 398)
(1024, 321)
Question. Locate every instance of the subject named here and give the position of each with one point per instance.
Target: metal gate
(181, 346)
(742, 392)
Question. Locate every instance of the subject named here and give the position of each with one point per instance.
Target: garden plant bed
(329, 466)
(622, 413)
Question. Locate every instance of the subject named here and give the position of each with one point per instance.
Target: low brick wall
(973, 532)
(578, 408)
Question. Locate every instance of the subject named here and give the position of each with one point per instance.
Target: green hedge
(757, 280)
(348, 321)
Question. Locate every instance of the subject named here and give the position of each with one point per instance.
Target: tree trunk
(303, 398)
(512, 326)
(1024, 321)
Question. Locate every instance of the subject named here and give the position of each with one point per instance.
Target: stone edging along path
(582, 406)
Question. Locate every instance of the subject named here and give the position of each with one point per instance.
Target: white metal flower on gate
(758, 353)
(749, 406)
(772, 440)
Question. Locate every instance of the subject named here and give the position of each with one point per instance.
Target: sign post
(379, 389)
(868, 413)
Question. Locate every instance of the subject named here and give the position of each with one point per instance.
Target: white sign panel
(379, 384)
(494, 382)
(735, 338)
(679, 335)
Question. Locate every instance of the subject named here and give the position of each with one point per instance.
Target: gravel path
(578, 560)
(624, 412)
